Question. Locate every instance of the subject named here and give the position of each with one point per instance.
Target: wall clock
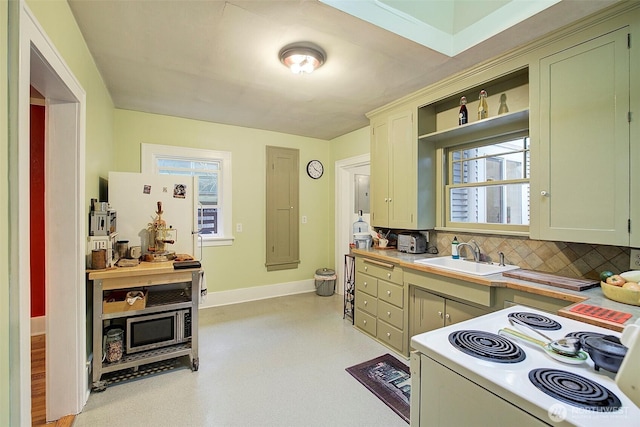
(315, 169)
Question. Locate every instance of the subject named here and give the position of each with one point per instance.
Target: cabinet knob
(366, 268)
(364, 284)
(389, 275)
(366, 302)
(439, 314)
(389, 200)
(388, 314)
(388, 293)
(364, 322)
(388, 334)
(386, 200)
(544, 193)
(448, 316)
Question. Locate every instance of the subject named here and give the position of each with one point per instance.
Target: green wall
(4, 218)
(58, 22)
(240, 265)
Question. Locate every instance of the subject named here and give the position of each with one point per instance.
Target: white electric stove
(456, 380)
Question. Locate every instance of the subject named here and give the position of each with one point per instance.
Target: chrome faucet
(475, 249)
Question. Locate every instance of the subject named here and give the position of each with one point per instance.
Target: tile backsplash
(579, 260)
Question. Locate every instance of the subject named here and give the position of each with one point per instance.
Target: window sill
(217, 241)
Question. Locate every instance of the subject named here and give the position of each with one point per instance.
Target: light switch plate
(634, 259)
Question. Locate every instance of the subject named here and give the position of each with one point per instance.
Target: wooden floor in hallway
(39, 386)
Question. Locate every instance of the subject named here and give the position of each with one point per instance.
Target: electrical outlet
(239, 227)
(634, 259)
(304, 219)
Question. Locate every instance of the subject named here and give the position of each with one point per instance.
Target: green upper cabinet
(580, 176)
(401, 182)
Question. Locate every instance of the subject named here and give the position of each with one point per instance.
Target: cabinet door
(581, 178)
(428, 312)
(379, 184)
(402, 171)
(457, 312)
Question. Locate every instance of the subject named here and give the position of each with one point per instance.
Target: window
(213, 169)
(488, 185)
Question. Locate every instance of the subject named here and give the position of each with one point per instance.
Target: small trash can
(325, 282)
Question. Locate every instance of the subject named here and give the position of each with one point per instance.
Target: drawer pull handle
(380, 263)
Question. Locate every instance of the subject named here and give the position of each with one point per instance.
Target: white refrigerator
(135, 196)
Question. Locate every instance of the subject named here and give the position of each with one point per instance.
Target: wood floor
(39, 386)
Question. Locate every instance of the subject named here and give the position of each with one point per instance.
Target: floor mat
(387, 378)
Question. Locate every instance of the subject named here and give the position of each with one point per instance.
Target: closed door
(428, 312)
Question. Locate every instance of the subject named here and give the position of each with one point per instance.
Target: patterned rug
(387, 378)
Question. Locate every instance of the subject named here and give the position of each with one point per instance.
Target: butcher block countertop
(592, 297)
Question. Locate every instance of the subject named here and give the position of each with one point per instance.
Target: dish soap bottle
(483, 108)
(463, 115)
(454, 248)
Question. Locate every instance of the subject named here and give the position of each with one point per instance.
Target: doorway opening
(347, 170)
(40, 66)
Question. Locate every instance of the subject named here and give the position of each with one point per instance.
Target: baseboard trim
(235, 296)
(38, 325)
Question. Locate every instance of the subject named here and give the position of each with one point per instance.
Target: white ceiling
(218, 61)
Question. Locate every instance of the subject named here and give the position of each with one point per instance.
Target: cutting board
(553, 279)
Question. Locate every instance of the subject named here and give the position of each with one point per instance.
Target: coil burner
(536, 321)
(487, 346)
(574, 390)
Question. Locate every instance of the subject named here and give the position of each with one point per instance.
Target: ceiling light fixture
(302, 57)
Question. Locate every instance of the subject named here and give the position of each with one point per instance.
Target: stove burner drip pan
(487, 346)
(536, 321)
(574, 390)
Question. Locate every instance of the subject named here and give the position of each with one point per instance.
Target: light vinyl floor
(274, 362)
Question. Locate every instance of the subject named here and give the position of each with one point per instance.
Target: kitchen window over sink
(213, 169)
(488, 185)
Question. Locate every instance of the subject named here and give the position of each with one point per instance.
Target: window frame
(446, 167)
(150, 153)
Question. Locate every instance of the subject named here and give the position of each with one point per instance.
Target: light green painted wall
(242, 264)
(4, 219)
(58, 22)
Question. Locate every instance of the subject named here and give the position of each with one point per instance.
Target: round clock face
(315, 169)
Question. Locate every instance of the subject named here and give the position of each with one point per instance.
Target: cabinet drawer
(391, 314)
(390, 293)
(366, 283)
(367, 303)
(390, 335)
(366, 322)
(380, 270)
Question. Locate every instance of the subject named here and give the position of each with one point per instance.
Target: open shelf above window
(491, 127)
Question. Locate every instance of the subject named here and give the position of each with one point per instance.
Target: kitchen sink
(464, 266)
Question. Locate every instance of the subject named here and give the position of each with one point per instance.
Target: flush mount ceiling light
(302, 57)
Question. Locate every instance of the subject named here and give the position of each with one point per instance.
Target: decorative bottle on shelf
(483, 108)
(503, 104)
(463, 115)
(454, 248)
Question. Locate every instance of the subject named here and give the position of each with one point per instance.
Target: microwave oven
(158, 330)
